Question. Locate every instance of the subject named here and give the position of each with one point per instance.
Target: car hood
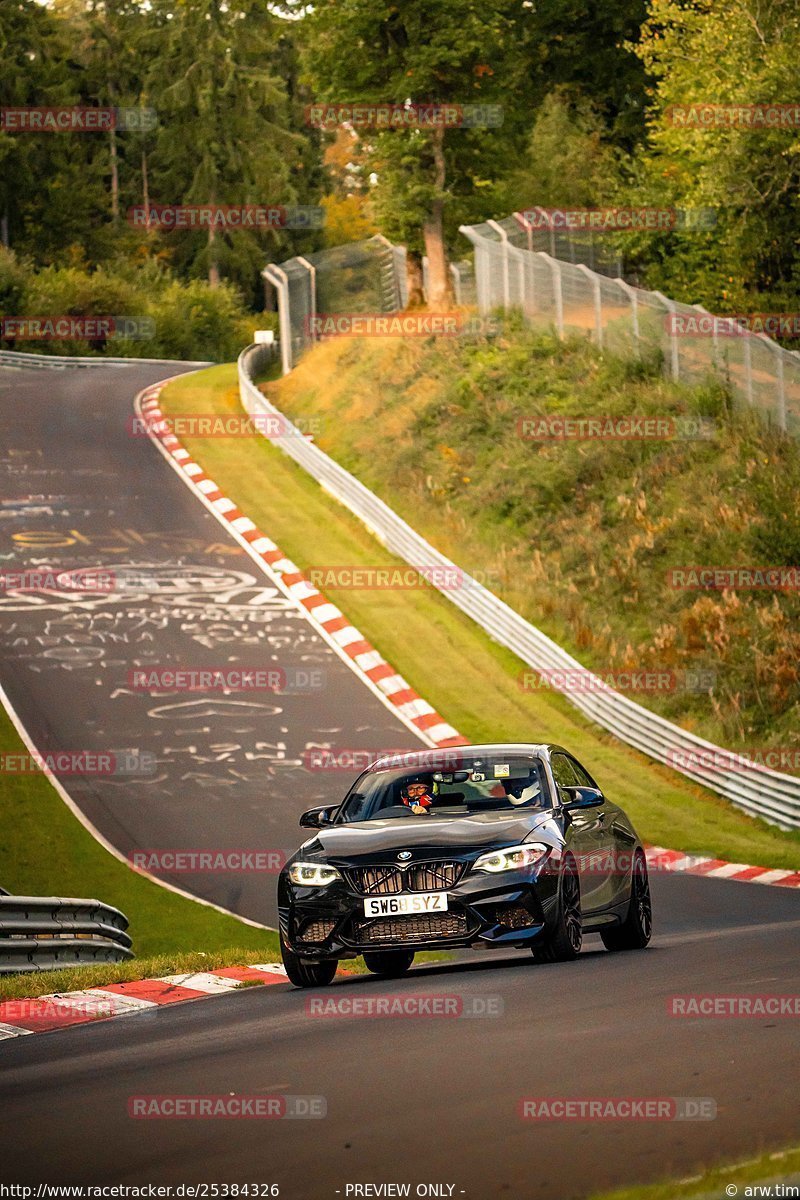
(432, 834)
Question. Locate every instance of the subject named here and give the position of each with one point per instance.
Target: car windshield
(482, 784)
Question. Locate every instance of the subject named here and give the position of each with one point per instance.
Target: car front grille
(388, 879)
(418, 928)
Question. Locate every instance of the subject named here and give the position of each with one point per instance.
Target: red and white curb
(659, 859)
(364, 658)
(62, 1009)
(345, 639)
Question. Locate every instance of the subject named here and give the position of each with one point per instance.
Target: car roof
(437, 757)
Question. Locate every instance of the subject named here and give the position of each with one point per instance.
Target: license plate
(405, 904)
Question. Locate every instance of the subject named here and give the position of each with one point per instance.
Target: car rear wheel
(635, 931)
(306, 974)
(391, 964)
(564, 942)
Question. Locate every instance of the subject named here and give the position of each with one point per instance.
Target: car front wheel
(304, 974)
(391, 964)
(564, 942)
(635, 931)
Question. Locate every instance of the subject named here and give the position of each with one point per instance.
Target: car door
(585, 835)
(613, 868)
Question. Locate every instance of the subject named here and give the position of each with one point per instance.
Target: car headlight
(313, 874)
(513, 858)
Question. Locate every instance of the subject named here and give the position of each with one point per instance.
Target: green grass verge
(45, 851)
(445, 656)
(768, 1169)
(73, 979)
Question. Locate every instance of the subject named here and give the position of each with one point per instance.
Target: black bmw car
(481, 846)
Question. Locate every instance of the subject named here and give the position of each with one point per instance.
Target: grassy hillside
(580, 536)
(469, 678)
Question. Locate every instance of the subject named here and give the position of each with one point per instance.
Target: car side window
(563, 771)
(583, 777)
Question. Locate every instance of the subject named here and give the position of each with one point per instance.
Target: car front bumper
(512, 909)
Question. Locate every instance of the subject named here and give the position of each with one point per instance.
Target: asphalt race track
(229, 769)
(409, 1099)
(435, 1100)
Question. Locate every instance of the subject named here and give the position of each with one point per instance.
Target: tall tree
(738, 53)
(458, 54)
(223, 120)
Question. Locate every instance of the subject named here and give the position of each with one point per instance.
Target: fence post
(506, 281)
(630, 292)
(594, 280)
(280, 281)
(672, 308)
(312, 280)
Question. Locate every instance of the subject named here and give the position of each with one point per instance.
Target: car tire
(391, 964)
(563, 944)
(305, 974)
(635, 931)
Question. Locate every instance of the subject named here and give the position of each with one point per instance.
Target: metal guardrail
(53, 362)
(759, 791)
(44, 933)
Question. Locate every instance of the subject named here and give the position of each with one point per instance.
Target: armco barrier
(15, 358)
(759, 791)
(43, 933)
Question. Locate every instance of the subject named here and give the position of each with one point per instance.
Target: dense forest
(209, 105)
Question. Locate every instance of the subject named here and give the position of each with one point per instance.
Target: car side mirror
(582, 797)
(315, 818)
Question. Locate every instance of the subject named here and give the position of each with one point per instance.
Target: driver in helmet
(524, 791)
(417, 794)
